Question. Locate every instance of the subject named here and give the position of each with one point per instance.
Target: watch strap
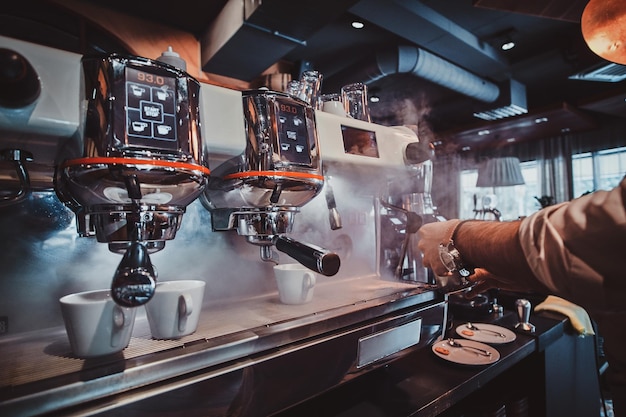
(463, 269)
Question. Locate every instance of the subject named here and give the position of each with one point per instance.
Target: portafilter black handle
(313, 257)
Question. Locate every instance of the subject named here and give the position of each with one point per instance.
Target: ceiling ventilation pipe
(416, 61)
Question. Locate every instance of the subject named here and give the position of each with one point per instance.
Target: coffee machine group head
(259, 192)
(139, 162)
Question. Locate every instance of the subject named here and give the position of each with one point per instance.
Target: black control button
(137, 93)
(166, 130)
(138, 127)
(166, 98)
(152, 111)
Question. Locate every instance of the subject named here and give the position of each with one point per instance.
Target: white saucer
(465, 356)
(486, 333)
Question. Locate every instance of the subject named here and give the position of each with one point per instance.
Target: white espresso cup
(295, 283)
(174, 310)
(331, 103)
(95, 324)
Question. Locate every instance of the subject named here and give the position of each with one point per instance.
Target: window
(591, 171)
(601, 170)
(511, 202)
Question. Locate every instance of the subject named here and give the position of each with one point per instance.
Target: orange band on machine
(295, 174)
(123, 161)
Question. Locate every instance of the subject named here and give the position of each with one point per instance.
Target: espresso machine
(259, 190)
(138, 164)
(273, 159)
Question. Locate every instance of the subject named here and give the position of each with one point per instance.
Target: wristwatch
(451, 257)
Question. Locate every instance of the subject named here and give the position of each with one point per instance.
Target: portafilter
(259, 192)
(139, 163)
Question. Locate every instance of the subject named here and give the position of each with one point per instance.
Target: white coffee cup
(295, 283)
(95, 324)
(174, 310)
(331, 103)
(334, 107)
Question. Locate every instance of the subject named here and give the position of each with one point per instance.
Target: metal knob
(522, 307)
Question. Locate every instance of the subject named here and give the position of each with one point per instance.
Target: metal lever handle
(313, 257)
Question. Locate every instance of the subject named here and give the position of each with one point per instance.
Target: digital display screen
(359, 141)
(150, 108)
(293, 136)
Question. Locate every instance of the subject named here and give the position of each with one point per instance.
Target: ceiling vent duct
(512, 102)
(418, 62)
(608, 73)
(510, 99)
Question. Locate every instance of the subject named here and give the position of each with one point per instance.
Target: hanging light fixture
(603, 25)
(500, 172)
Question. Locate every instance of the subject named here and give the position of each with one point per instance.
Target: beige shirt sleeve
(578, 249)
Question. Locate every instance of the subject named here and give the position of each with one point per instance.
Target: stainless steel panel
(388, 342)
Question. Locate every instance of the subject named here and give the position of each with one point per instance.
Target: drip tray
(32, 359)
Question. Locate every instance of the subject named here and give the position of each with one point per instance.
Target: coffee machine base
(242, 360)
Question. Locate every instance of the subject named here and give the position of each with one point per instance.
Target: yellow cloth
(577, 315)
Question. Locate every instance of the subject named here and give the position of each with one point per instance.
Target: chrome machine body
(259, 190)
(140, 163)
(249, 349)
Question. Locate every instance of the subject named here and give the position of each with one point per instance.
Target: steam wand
(333, 214)
(18, 157)
(413, 222)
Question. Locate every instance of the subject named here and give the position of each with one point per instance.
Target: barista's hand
(430, 236)
(484, 280)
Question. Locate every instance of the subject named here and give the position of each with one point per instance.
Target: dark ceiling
(463, 33)
(549, 49)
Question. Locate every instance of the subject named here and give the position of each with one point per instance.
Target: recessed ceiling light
(507, 45)
(357, 25)
(541, 120)
(374, 99)
(509, 140)
(483, 132)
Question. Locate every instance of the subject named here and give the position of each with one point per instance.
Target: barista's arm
(491, 247)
